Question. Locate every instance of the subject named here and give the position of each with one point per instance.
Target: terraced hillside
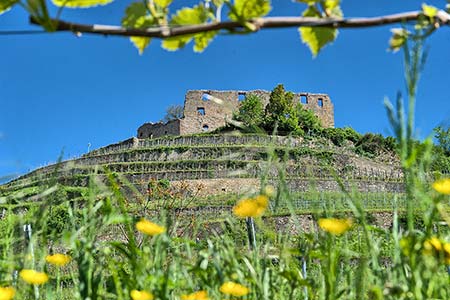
(221, 164)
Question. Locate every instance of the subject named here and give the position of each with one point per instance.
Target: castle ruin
(207, 110)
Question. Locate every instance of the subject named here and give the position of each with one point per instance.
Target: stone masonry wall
(206, 110)
(152, 130)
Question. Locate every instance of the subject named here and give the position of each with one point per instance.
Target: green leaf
(429, 11)
(202, 40)
(163, 3)
(140, 43)
(333, 8)
(316, 37)
(249, 9)
(80, 3)
(136, 16)
(331, 4)
(6, 5)
(189, 16)
(175, 43)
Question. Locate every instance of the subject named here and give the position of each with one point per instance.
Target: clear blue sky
(59, 92)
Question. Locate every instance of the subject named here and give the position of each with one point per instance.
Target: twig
(442, 18)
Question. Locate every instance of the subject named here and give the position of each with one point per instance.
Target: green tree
(173, 112)
(442, 135)
(441, 151)
(282, 112)
(308, 121)
(251, 112)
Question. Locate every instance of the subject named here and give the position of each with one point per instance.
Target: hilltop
(222, 146)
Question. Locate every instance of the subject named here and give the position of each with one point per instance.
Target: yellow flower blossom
(234, 289)
(149, 228)
(433, 244)
(252, 207)
(335, 226)
(442, 186)
(200, 295)
(7, 293)
(437, 248)
(58, 259)
(447, 253)
(33, 277)
(269, 190)
(141, 295)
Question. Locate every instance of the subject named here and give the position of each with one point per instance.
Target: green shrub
(251, 112)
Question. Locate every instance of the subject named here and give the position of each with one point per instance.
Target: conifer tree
(282, 112)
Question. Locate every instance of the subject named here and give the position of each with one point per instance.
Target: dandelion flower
(33, 277)
(442, 186)
(141, 295)
(7, 293)
(200, 295)
(149, 228)
(58, 259)
(433, 244)
(234, 289)
(252, 207)
(335, 226)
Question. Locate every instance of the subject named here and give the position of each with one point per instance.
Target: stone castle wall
(207, 110)
(153, 130)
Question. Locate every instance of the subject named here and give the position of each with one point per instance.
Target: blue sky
(59, 92)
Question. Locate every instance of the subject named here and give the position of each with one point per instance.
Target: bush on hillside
(251, 112)
(282, 113)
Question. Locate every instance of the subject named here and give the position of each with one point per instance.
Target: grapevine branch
(442, 18)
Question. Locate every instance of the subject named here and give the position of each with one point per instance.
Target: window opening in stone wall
(205, 127)
(303, 99)
(206, 97)
(201, 111)
(241, 97)
(320, 102)
(165, 132)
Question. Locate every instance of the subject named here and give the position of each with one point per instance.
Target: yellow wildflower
(269, 190)
(234, 289)
(437, 248)
(433, 244)
(442, 186)
(252, 207)
(33, 277)
(149, 228)
(335, 226)
(447, 253)
(200, 295)
(58, 259)
(7, 293)
(141, 295)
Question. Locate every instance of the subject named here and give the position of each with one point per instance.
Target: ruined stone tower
(206, 110)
